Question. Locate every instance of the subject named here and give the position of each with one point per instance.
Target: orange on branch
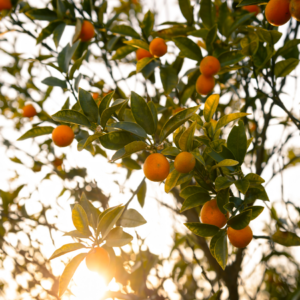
(210, 66)
(240, 238)
(295, 9)
(205, 85)
(95, 96)
(62, 136)
(87, 31)
(184, 162)
(142, 53)
(98, 260)
(156, 167)
(158, 47)
(29, 111)
(5, 5)
(278, 12)
(211, 214)
(252, 9)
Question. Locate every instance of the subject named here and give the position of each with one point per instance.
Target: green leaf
(207, 13)
(221, 251)
(223, 199)
(285, 67)
(201, 33)
(80, 219)
(187, 94)
(142, 114)
(269, 36)
(53, 81)
(129, 149)
(256, 211)
(237, 142)
(123, 52)
(104, 104)
(108, 112)
(214, 240)
(137, 44)
(82, 144)
(186, 139)
(188, 48)
(191, 190)
(141, 195)
(286, 238)
(199, 157)
(43, 14)
(225, 163)
(71, 116)
(125, 30)
(204, 230)
(210, 107)
(239, 22)
(132, 218)
(58, 32)
(91, 211)
(171, 180)
(287, 47)
(240, 221)
(147, 24)
(177, 120)
(254, 179)
(65, 56)
(211, 36)
(223, 183)
(187, 10)
(216, 296)
(252, 2)
(130, 127)
(47, 31)
(170, 151)
(169, 79)
(88, 105)
(253, 194)
(242, 185)
(142, 63)
(229, 118)
(108, 221)
(116, 140)
(153, 110)
(69, 271)
(194, 201)
(77, 234)
(36, 131)
(66, 249)
(230, 58)
(77, 64)
(118, 238)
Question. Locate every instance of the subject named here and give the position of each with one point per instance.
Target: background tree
(157, 107)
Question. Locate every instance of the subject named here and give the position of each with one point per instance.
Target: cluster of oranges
(209, 67)
(279, 12)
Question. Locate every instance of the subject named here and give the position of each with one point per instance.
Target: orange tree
(174, 123)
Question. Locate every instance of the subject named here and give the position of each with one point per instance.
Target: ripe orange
(97, 260)
(278, 12)
(87, 31)
(252, 9)
(211, 214)
(205, 85)
(209, 66)
(158, 47)
(5, 4)
(252, 126)
(184, 162)
(142, 53)
(95, 96)
(57, 162)
(29, 111)
(240, 238)
(156, 167)
(295, 9)
(62, 136)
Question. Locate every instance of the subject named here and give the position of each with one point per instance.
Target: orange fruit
(240, 238)
(29, 111)
(97, 260)
(295, 9)
(95, 96)
(205, 85)
(210, 66)
(252, 126)
(158, 47)
(184, 162)
(5, 4)
(142, 53)
(87, 31)
(278, 12)
(156, 167)
(57, 162)
(252, 9)
(62, 136)
(211, 214)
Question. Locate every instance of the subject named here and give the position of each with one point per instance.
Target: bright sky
(160, 221)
